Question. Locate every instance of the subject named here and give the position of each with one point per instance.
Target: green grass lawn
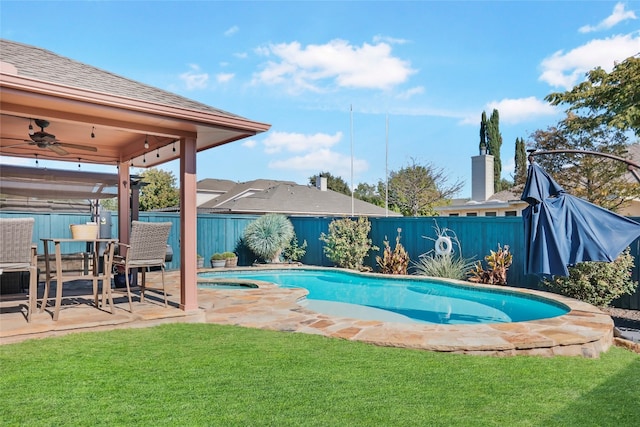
(204, 374)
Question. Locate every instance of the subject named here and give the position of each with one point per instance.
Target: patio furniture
(95, 275)
(147, 248)
(18, 253)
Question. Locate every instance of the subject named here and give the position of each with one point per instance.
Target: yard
(207, 374)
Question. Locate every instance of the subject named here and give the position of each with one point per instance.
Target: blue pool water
(386, 298)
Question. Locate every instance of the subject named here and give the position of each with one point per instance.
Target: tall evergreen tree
(520, 173)
(494, 143)
(483, 132)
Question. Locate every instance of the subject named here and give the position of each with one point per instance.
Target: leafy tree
(494, 143)
(520, 159)
(160, 190)
(415, 189)
(611, 99)
(370, 193)
(334, 183)
(599, 180)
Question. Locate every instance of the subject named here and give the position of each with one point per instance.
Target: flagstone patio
(585, 331)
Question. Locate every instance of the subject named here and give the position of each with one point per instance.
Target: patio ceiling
(78, 100)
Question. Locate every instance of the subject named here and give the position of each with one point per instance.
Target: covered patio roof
(94, 116)
(60, 184)
(79, 100)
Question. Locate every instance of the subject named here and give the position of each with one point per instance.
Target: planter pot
(217, 263)
(200, 262)
(231, 262)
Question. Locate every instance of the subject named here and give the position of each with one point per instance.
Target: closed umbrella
(562, 230)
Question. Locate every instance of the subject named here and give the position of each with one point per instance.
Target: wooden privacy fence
(220, 233)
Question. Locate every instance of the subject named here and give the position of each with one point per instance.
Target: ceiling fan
(47, 140)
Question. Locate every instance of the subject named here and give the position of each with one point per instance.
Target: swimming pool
(387, 298)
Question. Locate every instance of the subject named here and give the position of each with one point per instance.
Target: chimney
(321, 183)
(481, 177)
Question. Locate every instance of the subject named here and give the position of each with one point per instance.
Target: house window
(454, 214)
(490, 214)
(472, 214)
(510, 213)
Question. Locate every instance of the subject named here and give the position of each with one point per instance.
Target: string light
(174, 146)
(146, 142)
(36, 160)
(144, 158)
(158, 152)
(78, 162)
(31, 129)
(93, 128)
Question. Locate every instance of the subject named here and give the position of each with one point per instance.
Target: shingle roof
(41, 64)
(286, 197)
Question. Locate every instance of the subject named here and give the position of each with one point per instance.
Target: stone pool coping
(584, 331)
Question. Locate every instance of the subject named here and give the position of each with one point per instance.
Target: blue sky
(328, 76)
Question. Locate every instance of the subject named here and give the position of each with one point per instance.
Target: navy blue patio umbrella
(562, 230)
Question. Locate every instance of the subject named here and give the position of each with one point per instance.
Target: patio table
(95, 275)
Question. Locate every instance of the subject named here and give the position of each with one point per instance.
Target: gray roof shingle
(41, 64)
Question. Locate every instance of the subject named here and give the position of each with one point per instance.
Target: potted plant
(231, 259)
(200, 260)
(218, 260)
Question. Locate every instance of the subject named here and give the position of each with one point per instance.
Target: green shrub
(268, 235)
(217, 257)
(393, 261)
(348, 242)
(228, 255)
(294, 252)
(498, 264)
(597, 283)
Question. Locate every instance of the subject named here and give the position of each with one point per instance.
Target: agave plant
(268, 235)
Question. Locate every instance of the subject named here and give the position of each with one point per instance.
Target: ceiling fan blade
(76, 146)
(57, 149)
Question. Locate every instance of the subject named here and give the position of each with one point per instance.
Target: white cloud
(297, 142)
(224, 77)
(418, 90)
(241, 55)
(515, 110)
(334, 63)
(380, 38)
(251, 143)
(567, 69)
(521, 109)
(231, 31)
(195, 79)
(322, 160)
(314, 153)
(618, 15)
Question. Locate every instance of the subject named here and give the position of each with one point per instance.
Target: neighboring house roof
(286, 197)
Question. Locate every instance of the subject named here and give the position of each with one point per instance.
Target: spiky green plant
(268, 235)
(448, 266)
(394, 261)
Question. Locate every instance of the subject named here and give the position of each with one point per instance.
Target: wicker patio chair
(147, 248)
(18, 253)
